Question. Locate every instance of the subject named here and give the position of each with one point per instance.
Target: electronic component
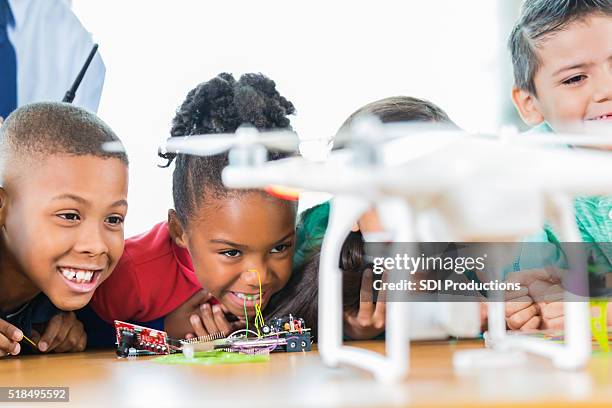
(138, 340)
(286, 333)
(284, 324)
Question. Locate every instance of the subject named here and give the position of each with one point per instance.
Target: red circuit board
(155, 341)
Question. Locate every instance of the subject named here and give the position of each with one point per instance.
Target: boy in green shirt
(562, 60)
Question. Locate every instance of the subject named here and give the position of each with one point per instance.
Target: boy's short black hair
(538, 20)
(48, 128)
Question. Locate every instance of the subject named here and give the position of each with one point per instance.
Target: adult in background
(43, 46)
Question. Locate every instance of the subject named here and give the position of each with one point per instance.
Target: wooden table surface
(98, 378)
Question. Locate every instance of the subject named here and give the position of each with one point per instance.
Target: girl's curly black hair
(220, 105)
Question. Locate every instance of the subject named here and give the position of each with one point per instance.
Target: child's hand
(369, 321)
(187, 320)
(10, 336)
(552, 315)
(522, 313)
(63, 333)
(535, 306)
(210, 319)
(549, 297)
(177, 324)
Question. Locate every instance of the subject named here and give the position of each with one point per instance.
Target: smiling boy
(562, 59)
(62, 206)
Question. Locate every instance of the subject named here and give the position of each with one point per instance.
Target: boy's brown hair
(539, 19)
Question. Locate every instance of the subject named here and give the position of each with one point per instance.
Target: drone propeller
(113, 147)
(496, 163)
(437, 167)
(565, 139)
(369, 130)
(212, 144)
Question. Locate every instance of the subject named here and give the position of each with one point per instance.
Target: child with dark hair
(561, 60)
(399, 109)
(201, 271)
(363, 318)
(561, 55)
(62, 207)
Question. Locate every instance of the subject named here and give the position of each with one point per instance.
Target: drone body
(449, 186)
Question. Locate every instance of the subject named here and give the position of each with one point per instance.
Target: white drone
(451, 186)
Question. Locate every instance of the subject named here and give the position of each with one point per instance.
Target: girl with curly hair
(201, 271)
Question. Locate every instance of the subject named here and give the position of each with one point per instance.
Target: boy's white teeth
(77, 275)
(68, 274)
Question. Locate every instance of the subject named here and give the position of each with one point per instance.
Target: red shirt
(153, 277)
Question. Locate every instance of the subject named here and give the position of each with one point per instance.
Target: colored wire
(259, 320)
(30, 341)
(246, 315)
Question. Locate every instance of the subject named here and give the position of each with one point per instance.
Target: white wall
(328, 58)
